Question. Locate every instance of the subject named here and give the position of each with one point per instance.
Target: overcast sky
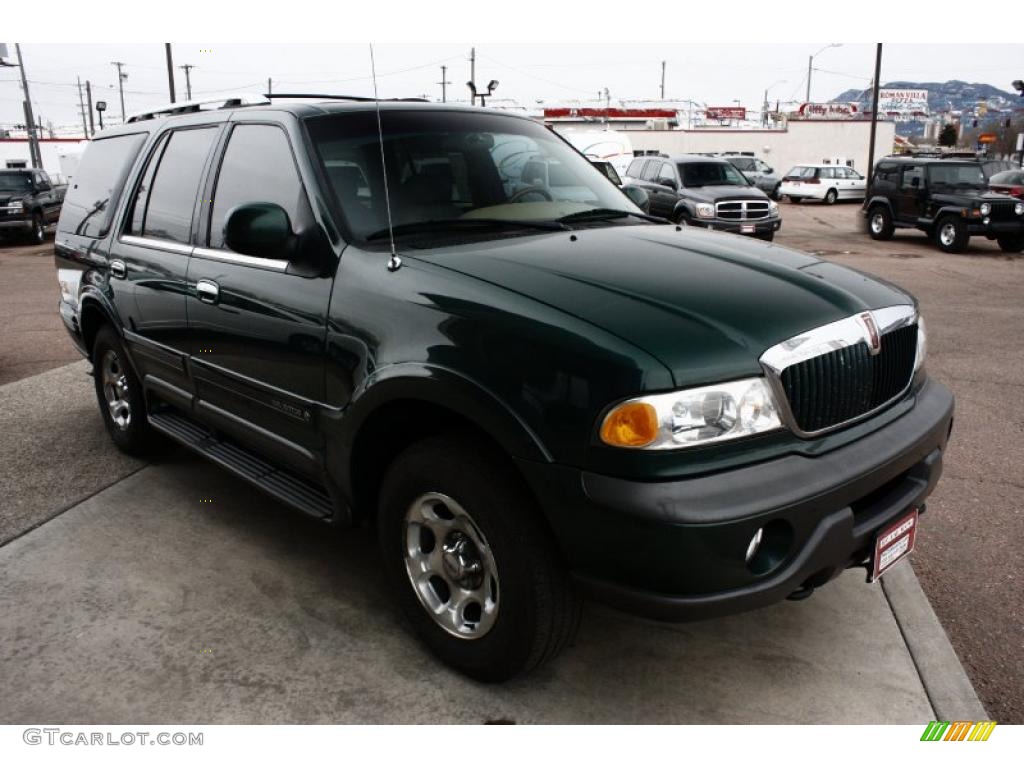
(556, 74)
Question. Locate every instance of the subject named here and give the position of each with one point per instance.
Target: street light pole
(810, 67)
(30, 122)
(170, 71)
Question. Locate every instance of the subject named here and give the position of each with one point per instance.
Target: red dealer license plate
(894, 543)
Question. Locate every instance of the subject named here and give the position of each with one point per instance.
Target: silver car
(761, 174)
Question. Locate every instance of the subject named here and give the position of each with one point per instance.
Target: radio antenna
(394, 262)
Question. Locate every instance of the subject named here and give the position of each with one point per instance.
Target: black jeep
(947, 199)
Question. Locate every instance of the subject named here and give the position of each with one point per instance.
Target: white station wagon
(822, 182)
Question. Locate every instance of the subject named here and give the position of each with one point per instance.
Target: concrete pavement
(147, 604)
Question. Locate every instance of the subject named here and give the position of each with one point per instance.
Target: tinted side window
(137, 213)
(257, 168)
(634, 168)
(91, 200)
(172, 196)
(887, 173)
(651, 170)
(912, 177)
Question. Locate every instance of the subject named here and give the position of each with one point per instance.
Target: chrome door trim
(277, 265)
(161, 245)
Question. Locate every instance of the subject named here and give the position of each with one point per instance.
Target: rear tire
(454, 496)
(120, 397)
(831, 196)
(880, 226)
(1011, 244)
(951, 234)
(795, 200)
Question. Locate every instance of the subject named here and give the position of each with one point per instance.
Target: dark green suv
(535, 393)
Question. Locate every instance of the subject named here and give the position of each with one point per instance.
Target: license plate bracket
(894, 543)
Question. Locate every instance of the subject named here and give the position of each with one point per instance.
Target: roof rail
(339, 97)
(187, 107)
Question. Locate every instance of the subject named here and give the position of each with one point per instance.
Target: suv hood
(705, 304)
(716, 194)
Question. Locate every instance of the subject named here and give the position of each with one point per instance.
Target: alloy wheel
(947, 234)
(115, 389)
(450, 566)
(877, 223)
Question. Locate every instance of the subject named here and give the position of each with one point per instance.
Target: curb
(945, 682)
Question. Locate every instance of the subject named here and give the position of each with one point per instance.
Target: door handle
(118, 269)
(207, 291)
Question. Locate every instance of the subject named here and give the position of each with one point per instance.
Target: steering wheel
(514, 197)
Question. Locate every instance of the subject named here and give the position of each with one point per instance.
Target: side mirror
(262, 230)
(667, 182)
(639, 197)
(769, 170)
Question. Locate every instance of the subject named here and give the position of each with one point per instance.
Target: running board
(279, 483)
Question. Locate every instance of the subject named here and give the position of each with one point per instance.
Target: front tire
(470, 561)
(831, 196)
(37, 235)
(951, 234)
(1011, 244)
(119, 394)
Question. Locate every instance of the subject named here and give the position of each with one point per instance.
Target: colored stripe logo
(958, 730)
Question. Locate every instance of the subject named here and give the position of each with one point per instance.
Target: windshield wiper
(464, 225)
(604, 214)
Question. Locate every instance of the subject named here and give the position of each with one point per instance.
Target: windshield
(956, 176)
(456, 167)
(711, 175)
(15, 182)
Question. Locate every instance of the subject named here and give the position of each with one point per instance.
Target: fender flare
(92, 299)
(878, 200)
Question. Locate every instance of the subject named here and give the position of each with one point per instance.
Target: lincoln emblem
(874, 339)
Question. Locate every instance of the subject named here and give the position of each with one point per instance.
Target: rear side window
(887, 173)
(173, 191)
(803, 172)
(651, 171)
(634, 169)
(89, 204)
(912, 177)
(257, 168)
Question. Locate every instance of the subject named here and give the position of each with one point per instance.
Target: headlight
(692, 416)
(705, 210)
(922, 344)
(15, 205)
(985, 209)
(773, 209)
(1019, 209)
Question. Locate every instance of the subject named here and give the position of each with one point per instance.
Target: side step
(279, 483)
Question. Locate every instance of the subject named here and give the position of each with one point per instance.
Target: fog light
(754, 545)
(986, 220)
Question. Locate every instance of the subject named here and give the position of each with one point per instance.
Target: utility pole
(874, 118)
(188, 79)
(810, 61)
(662, 80)
(81, 109)
(472, 73)
(270, 86)
(30, 126)
(170, 71)
(88, 102)
(445, 82)
(121, 77)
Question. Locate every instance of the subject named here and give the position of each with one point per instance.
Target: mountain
(950, 96)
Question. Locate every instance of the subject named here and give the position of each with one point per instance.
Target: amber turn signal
(631, 425)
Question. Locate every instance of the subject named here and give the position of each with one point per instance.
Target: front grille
(1002, 210)
(742, 210)
(849, 382)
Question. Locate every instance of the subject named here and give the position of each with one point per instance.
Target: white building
(60, 156)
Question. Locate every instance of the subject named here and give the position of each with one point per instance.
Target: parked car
(529, 399)
(705, 192)
(827, 183)
(29, 202)
(949, 200)
(762, 175)
(1008, 182)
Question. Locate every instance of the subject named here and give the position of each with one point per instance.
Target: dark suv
(705, 192)
(947, 199)
(529, 397)
(29, 202)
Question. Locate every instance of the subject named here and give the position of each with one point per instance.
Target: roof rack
(188, 107)
(339, 97)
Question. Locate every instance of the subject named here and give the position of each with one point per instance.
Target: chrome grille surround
(742, 210)
(848, 332)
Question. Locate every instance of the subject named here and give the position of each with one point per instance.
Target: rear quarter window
(91, 200)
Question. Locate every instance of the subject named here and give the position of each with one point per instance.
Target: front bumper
(676, 550)
(20, 224)
(760, 226)
(996, 228)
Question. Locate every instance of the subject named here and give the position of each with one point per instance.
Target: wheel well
(91, 320)
(385, 434)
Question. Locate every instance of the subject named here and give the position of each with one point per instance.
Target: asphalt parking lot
(126, 599)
